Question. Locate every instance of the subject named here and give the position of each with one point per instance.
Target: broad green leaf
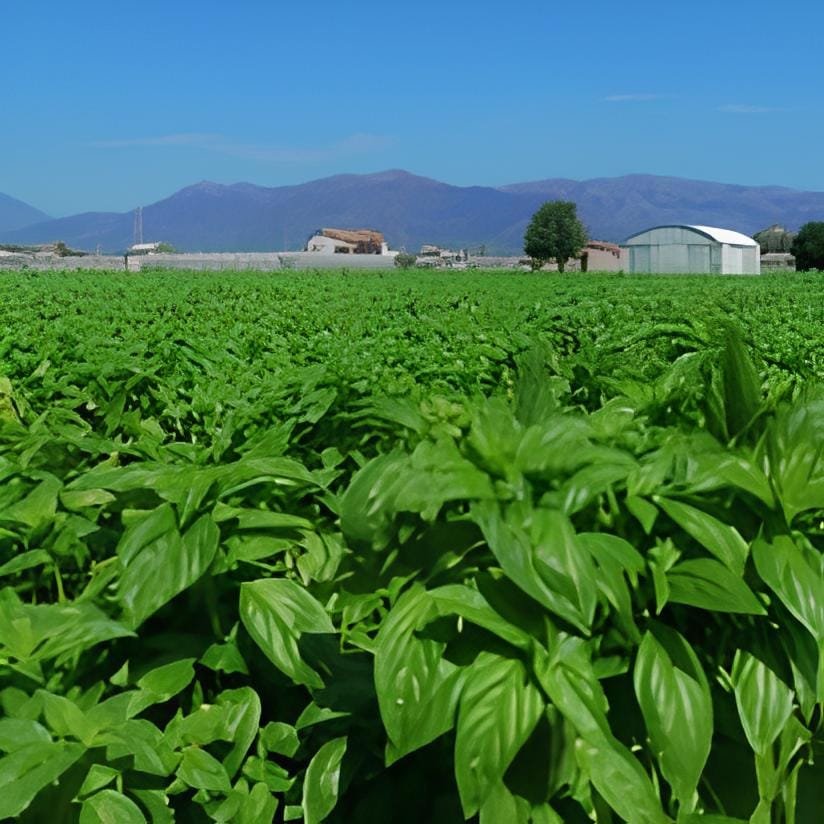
(258, 807)
(322, 781)
(468, 603)
(280, 738)
(621, 780)
(262, 519)
(542, 557)
(764, 701)
(501, 805)
(155, 525)
(805, 662)
(719, 539)
(202, 771)
(616, 560)
(799, 585)
(417, 688)
(593, 480)
(322, 557)
(708, 584)
(110, 807)
(224, 658)
(742, 386)
(169, 679)
(26, 560)
(157, 804)
(82, 498)
(644, 512)
(164, 568)
(242, 723)
(366, 507)
(66, 719)
(498, 710)
(567, 676)
(276, 613)
(796, 469)
(144, 742)
(16, 733)
(38, 507)
(35, 633)
(25, 772)
(98, 776)
(677, 710)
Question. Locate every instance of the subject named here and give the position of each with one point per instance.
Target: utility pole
(138, 225)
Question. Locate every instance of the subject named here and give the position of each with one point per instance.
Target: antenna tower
(138, 225)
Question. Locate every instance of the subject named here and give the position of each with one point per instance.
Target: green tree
(405, 260)
(554, 232)
(808, 247)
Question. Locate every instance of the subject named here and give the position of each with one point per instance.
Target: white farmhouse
(683, 249)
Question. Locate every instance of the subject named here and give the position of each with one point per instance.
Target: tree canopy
(555, 232)
(808, 246)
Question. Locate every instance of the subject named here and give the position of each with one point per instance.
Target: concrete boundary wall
(265, 261)
(201, 261)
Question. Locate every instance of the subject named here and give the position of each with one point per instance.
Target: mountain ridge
(412, 209)
(16, 214)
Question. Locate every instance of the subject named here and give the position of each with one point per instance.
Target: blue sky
(110, 105)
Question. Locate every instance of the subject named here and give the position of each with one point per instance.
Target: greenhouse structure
(683, 249)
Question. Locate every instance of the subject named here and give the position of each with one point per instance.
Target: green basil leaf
(719, 539)
(498, 710)
(417, 688)
(677, 710)
(322, 782)
(276, 612)
(786, 571)
(621, 780)
(710, 585)
(202, 771)
(110, 807)
(764, 701)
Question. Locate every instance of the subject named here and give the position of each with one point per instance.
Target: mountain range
(411, 210)
(14, 214)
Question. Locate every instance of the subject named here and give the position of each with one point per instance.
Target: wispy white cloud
(745, 108)
(359, 143)
(635, 97)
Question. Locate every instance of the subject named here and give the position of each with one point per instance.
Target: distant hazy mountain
(14, 214)
(412, 210)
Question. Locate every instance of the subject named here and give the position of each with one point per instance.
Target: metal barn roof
(725, 235)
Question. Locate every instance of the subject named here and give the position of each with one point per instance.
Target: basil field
(411, 547)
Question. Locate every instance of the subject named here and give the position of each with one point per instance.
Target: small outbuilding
(684, 249)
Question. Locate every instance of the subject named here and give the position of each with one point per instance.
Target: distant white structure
(143, 248)
(348, 242)
(687, 249)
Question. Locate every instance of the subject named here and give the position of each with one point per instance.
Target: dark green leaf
(677, 710)
(621, 780)
(202, 771)
(721, 540)
(322, 782)
(417, 688)
(799, 585)
(276, 613)
(708, 584)
(110, 807)
(764, 701)
(25, 772)
(165, 567)
(498, 710)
